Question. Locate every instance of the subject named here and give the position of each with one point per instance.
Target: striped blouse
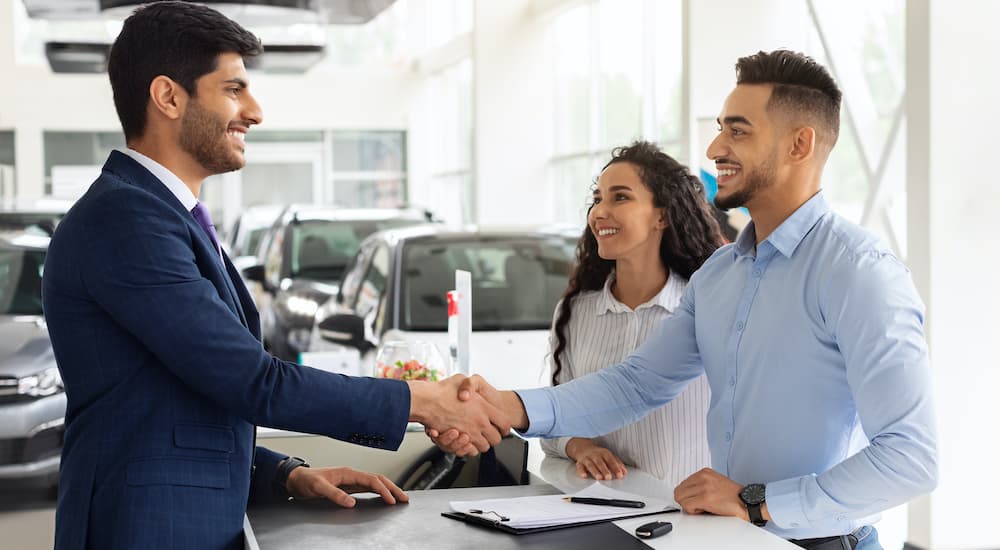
(671, 443)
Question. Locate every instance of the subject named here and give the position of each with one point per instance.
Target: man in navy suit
(158, 341)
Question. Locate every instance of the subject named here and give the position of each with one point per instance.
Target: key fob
(653, 529)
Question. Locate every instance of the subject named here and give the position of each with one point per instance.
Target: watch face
(752, 494)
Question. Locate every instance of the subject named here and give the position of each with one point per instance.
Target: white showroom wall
(33, 100)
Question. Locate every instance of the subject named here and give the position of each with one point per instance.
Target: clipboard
(500, 526)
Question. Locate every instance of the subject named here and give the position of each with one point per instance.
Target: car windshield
(253, 241)
(516, 281)
(33, 224)
(21, 281)
(321, 249)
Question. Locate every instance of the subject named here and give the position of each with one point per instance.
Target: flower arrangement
(410, 370)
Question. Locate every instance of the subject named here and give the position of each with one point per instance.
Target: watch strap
(756, 517)
(752, 496)
(285, 468)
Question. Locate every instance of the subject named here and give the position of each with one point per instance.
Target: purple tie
(201, 216)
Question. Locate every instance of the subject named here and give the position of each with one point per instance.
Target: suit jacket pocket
(204, 436)
(168, 470)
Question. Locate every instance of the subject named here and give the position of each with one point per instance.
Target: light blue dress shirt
(813, 345)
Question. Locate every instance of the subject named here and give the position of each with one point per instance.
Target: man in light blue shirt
(809, 329)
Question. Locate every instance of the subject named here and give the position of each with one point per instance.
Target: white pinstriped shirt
(671, 442)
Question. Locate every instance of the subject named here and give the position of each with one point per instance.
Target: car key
(653, 529)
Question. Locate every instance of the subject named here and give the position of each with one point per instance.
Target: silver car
(32, 401)
(395, 291)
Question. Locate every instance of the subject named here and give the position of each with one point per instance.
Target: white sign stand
(463, 284)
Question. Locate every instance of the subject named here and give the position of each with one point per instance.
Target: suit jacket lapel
(134, 173)
(244, 303)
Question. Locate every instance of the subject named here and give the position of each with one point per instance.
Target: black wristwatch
(753, 497)
(285, 468)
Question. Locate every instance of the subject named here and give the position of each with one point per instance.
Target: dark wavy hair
(690, 237)
(178, 40)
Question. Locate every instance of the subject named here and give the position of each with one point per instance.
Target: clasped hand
(471, 422)
(473, 390)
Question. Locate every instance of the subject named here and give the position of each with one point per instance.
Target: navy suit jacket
(158, 344)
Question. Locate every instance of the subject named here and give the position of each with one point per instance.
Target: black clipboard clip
(481, 513)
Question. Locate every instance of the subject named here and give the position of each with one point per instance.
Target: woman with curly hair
(649, 228)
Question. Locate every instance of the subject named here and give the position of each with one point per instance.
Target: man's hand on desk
(709, 491)
(336, 484)
(594, 461)
(472, 389)
(475, 423)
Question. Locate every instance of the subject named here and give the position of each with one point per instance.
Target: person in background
(808, 327)
(648, 229)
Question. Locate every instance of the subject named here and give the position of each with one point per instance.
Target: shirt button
(739, 325)
(729, 436)
(756, 273)
(794, 524)
(732, 381)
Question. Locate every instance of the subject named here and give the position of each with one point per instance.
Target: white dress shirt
(670, 443)
(166, 177)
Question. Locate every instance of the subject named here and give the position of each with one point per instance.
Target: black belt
(843, 542)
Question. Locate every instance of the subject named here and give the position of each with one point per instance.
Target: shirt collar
(787, 236)
(166, 177)
(666, 298)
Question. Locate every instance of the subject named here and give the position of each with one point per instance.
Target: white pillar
(953, 215)
(918, 148)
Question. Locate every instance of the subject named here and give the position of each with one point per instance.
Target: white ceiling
(247, 12)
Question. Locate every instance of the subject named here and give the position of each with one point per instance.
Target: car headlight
(47, 382)
(301, 306)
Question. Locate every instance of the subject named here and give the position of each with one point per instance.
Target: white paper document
(548, 510)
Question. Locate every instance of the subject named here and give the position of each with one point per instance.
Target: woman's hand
(594, 461)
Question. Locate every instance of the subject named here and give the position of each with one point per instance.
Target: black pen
(606, 502)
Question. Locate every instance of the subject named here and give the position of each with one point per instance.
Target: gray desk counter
(418, 525)
(307, 525)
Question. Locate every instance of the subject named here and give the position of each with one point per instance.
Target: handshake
(465, 415)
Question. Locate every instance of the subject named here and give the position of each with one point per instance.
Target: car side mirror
(254, 273)
(346, 330)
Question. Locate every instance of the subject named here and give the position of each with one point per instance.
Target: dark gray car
(32, 402)
(303, 259)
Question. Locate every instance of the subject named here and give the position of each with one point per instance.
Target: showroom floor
(27, 518)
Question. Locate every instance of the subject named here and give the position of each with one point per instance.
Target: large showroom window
(864, 45)
(361, 169)
(613, 82)
(369, 169)
(349, 168)
(442, 120)
(8, 185)
(450, 157)
(73, 160)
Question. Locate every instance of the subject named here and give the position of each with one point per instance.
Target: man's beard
(757, 179)
(204, 137)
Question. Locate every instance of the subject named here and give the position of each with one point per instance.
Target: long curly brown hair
(690, 237)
